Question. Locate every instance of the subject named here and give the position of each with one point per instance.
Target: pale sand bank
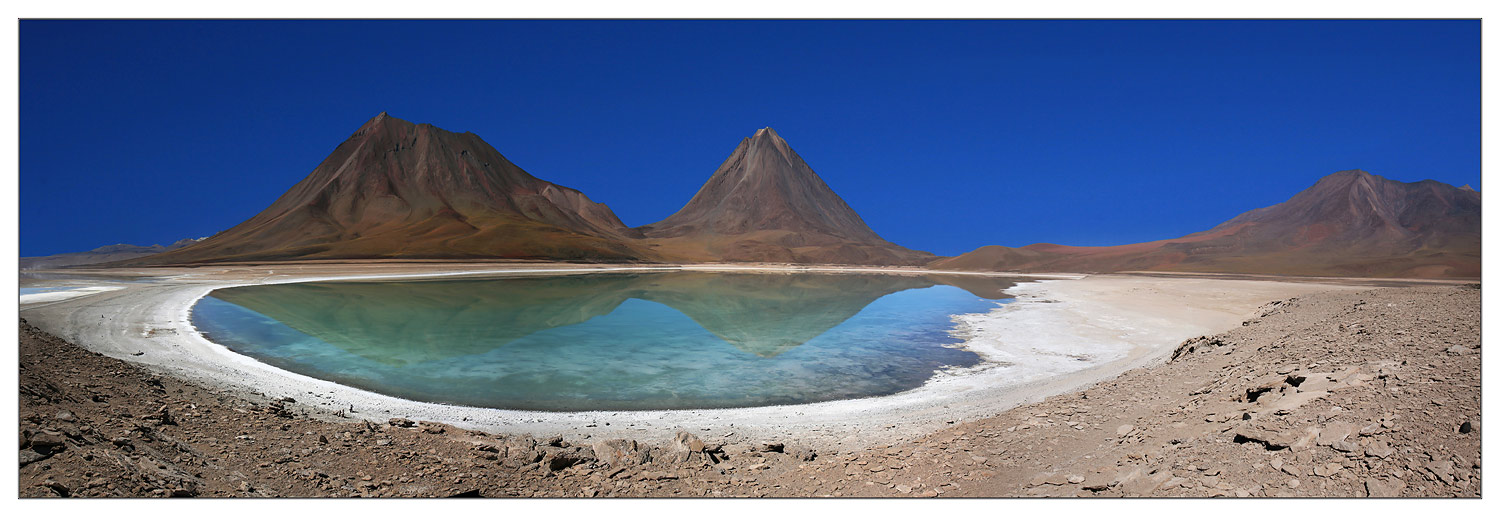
(54, 296)
(1062, 334)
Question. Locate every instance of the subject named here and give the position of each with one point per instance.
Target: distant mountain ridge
(99, 255)
(1349, 223)
(398, 190)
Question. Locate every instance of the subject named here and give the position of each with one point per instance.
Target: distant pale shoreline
(1064, 333)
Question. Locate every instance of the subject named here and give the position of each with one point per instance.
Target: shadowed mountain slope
(1350, 223)
(764, 204)
(396, 189)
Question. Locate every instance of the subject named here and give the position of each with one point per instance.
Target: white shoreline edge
(134, 323)
(66, 294)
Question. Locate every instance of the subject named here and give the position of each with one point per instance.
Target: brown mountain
(764, 204)
(396, 189)
(1350, 223)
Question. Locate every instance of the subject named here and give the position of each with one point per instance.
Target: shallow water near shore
(677, 340)
(37, 290)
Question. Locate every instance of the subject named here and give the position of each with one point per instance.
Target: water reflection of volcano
(416, 321)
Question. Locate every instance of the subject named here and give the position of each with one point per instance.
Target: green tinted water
(672, 340)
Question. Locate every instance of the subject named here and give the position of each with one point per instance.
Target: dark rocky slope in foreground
(1350, 223)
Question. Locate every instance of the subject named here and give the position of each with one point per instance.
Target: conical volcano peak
(396, 189)
(1345, 179)
(1351, 174)
(765, 203)
(382, 118)
(383, 122)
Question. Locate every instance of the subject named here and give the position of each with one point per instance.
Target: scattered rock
(617, 453)
(44, 440)
(561, 461)
(28, 456)
(1379, 449)
(1443, 469)
(1271, 441)
(684, 448)
(1384, 488)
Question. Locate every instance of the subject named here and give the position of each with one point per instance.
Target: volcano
(1350, 223)
(765, 204)
(395, 189)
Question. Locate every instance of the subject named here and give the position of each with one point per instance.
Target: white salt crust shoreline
(1061, 334)
(54, 296)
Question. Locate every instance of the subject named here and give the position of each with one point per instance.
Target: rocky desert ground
(1337, 394)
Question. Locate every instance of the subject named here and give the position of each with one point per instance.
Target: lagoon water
(37, 290)
(671, 340)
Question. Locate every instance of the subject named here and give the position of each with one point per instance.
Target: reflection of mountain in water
(767, 314)
(409, 322)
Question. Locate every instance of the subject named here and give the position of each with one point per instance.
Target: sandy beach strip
(1063, 333)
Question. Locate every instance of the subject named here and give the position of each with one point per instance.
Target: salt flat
(1062, 334)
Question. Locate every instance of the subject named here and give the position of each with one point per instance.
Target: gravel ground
(1341, 393)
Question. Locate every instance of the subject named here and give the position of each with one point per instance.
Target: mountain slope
(100, 255)
(764, 203)
(1350, 223)
(396, 189)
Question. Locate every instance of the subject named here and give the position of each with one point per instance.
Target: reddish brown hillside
(1350, 223)
(765, 204)
(396, 189)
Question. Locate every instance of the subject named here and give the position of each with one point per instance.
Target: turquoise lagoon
(638, 341)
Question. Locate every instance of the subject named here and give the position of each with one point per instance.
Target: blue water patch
(609, 341)
(35, 290)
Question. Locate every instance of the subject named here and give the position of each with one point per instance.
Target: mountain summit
(395, 189)
(764, 203)
(1349, 223)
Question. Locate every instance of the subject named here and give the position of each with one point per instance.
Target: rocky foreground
(1348, 394)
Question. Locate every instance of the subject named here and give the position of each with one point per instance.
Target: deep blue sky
(944, 135)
